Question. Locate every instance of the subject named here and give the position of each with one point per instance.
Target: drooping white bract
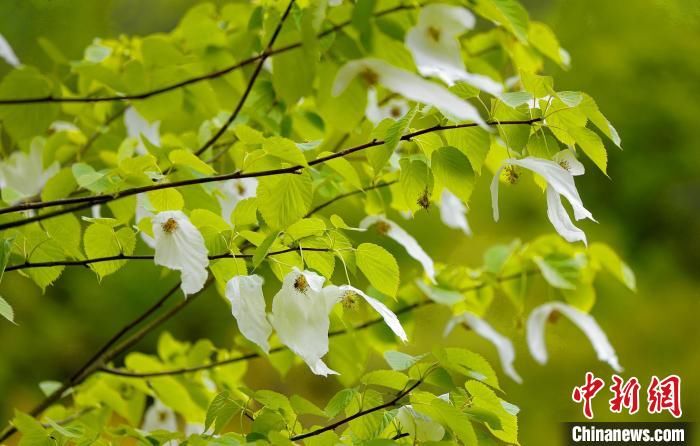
(391, 320)
(434, 44)
(138, 127)
(248, 307)
(7, 53)
(394, 108)
(408, 85)
(300, 316)
(159, 417)
(453, 212)
(536, 326)
(180, 246)
(394, 231)
(560, 182)
(233, 191)
(504, 346)
(23, 175)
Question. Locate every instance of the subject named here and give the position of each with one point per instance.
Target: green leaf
(416, 182)
(474, 142)
(468, 364)
(33, 433)
(102, 241)
(25, 121)
(508, 13)
(542, 38)
(486, 400)
(6, 310)
(452, 170)
(5, 251)
(286, 150)
(552, 274)
(592, 146)
(302, 406)
(379, 266)
(400, 361)
(220, 411)
(609, 260)
(399, 128)
(343, 168)
(386, 378)
(339, 402)
(293, 72)
(183, 157)
(166, 200)
(264, 248)
(284, 199)
(306, 227)
(590, 108)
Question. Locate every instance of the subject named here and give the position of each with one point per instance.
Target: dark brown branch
(89, 365)
(258, 68)
(391, 403)
(249, 356)
(193, 80)
(85, 262)
(88, 201)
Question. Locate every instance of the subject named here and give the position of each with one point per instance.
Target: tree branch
(393, 402)
(85, 262)
(88, 201)
(258, 68)
(192, 80)
(248, 356)
(348, 194)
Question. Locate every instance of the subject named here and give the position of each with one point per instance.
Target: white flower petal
(536, 326)
(503, 345)
(453, 212)
(403, 238)
(233, 191)
(567, 159)
(24, 173)
(6, 52)
(560, 219)
(494, 192)
(393, 109)
(144, 210)
(159, 417)
(180, 246)
(419, 426)
(389, 317)
(137, 127)
(410, 86)
(248, 307)
(300, 316)
(557, 177)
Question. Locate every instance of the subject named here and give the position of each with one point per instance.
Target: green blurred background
(639, 59)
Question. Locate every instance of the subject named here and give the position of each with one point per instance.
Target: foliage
(326, 105)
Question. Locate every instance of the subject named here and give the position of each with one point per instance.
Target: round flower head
(180, 246)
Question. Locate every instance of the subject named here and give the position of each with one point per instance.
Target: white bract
(394, 231)
(231, 192)
(159, 417)
(248, 307)
(409, 85)
(434, 44)
(536, 326)
(138, 127)
(506, 352)
(453, 212)
(301, 315)
(7, 53)
(560, 182)
(394, 108)
(23, 175)
(180, 246)
(144, 210)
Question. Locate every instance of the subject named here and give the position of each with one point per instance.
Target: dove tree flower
(394, 108)
(138, 127)
(453, 212)
(180, 246)
(23, 175)
(434, 44)
(158, 416)
(398, 234)
(537, 322)
(248, 307)
(301, 315)
(232, 191)
(560, 182)
(7, 53)
(506, 351)
(409, 85)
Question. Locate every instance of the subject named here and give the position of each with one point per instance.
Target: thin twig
(196, 79)
(85, 262)
(348, 194)
(258, 68)
(88, 201)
